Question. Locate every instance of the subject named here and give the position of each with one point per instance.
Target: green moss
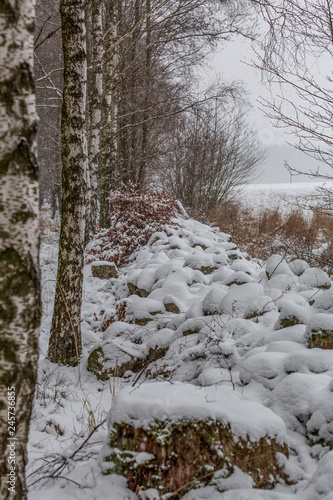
(255, 314)
(234, 256)
(134, 290)
(142, 321)
(291, 321)
(104, 272)
(239, 282)
(185, 449)
(322, 339)
(96, 365)
(199, 245)
(172, 308)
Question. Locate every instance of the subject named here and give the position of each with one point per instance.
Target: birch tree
(19, 280)
(109, 109)
(95, 87)
(297, 52)
(65, 338)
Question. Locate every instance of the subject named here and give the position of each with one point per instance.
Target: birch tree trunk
(141, 174)
(107, 141)
(65, 338)
(95, 110)
(19, 280)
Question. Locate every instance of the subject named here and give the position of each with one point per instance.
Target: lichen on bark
(19, 241)
(65, 338)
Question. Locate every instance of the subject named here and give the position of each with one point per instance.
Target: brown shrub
(294, 235)
(135, 216)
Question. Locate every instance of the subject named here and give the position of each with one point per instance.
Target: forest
(166, 324)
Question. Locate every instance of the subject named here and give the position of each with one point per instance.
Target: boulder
(169, 436)
(104, 270)
(319, 331)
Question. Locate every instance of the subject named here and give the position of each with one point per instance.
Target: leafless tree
(159, 43)
(211, 153)
(48, 82)
(95, 50)
(65, 338)
(141, 60)
(297, 52)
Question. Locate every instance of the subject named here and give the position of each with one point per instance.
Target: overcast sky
(232, 63)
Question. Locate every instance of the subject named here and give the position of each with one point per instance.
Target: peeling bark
(65, 339)
(19, 280)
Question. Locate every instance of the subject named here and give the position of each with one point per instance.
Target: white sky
(232, 63)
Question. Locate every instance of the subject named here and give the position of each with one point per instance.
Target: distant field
(272, 218)
(284, 196)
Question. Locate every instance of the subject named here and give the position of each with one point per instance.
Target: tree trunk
(95, 88)
(141, 174)
(65, 339)
(19, 242)
(107, 141)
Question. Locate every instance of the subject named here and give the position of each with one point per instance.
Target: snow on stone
(245, 300)
(165, 401)
(320, 322)
(324, 301)
(277, 265)
(298, 266)
(291, 312)
(313, 277)
(233, 341)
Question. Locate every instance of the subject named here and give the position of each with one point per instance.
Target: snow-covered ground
(235, 337)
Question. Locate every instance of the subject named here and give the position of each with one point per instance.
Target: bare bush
(211, 152)
(268, 231)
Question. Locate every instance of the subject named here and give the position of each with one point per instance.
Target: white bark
(109, 110)
(65, 339)
(19, 242)
(96, 96)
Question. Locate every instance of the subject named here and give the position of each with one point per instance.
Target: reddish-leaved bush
(135, 217)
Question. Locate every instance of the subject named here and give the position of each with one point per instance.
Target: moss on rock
(201, 245)
(104, 272)
(103, 367)
(322, 339)
(288, 321)
(134, 290)
(207, 269)
(171, 307)
(182, 452)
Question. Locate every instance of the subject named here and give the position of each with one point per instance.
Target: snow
(228, 357)
(276, 265)
(164, 401)
(320, 322)
(314, 277)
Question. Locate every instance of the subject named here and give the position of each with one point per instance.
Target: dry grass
(294, 235)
